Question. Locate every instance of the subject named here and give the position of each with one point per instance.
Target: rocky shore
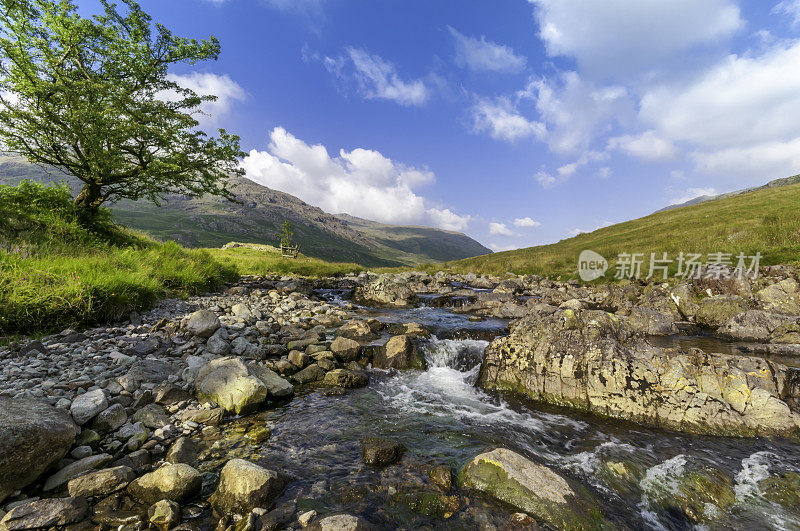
(153, 422)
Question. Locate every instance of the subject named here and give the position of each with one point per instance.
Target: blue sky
(518, 122)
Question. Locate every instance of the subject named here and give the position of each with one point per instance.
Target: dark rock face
(593, 361)
(381, 452)
(33, 436)
(49, 512)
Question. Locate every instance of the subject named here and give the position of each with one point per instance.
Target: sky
(517, 122)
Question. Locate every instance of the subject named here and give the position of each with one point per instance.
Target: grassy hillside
(766, 220)
(58, 271)
(212, 222)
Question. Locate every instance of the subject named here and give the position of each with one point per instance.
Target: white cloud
(526, 222)
(499, 229)
(545, 179)
(360, 182)
(481, 55)
(615, 37)
(500, 248)
(758, 162)
(501, 120)
(568, 170)
(604, 173)
(223, 87)
(790, 8)
(647, 146)
(376, 78)
(692, 193)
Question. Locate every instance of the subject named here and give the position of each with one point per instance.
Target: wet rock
(174, 482)
(183, 450)
(442, 476)
(341, 522)
(715, 311)
(381, 452)
(277, 518)
(33, 436)
(532, 488)
(87, 405)
(752, 325)
(312, 373)
(386, 290)
(164, 514)
(244, 486)
(203, 323)
(346, 378)
(345, 349)
(102, 482)
(782, 297)
(231, 384)
(400, 352)
(45, 513)
(783, 489)
(432, 504)
(277, 387)
(305, 518)
(357, 330)
(76, 469)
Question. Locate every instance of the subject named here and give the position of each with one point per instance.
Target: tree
(92, 97)
(286, 234)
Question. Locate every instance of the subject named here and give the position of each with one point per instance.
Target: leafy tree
(286, 234)
(92, 97)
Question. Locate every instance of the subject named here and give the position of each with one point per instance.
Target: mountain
(765, 220)
(785, 181)
(257, 218)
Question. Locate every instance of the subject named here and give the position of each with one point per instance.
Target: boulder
(312, 373)
(346, 349)
(400, 352)
(782, 297)
(752, 325)
(164, 514)
(357, 330)
(102, 482)
(592, 361)
(340, 522)
(33, 437)
(183, 450)
(532, 488)
(203, 323)
(242, 347)
(218, 344)
(244, 486)
(174, 482)
(277, 387)
(346, 378)
(75, 469)
(386, 290)
(713, 312)
(49, 512)
(231, 384)
(110, 419)
(381, 452)
(86, 406)
(145, 371)
(650, 321)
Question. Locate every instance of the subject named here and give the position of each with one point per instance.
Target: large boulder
(386, 290)
(752, 325)
(532, 488)
(46, 513)
(175, 482)
(650, 321)
(203, 323)
(244, 486)
(346, 349)
(593, 361)
(400, 352)
(713, 312)
(33, 437)
(231, 384)
(782, 297)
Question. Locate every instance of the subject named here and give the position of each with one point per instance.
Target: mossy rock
(621, 476)
(431, 504)
(783, 490)
(701, 494)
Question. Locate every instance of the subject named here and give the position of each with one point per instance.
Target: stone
(345, 349)
(244, 486)
(243, 312)
(217, 345)
(183, 450)
(152, 416)
(164, 514)
(298, 359)
(242, 347)
(305, 518)
(102, 482)
(346, 378)
(87, 405)
(651, 322)
(33, 437)
(532, 488)
(401, 353)
(277, 387)
(229, 383)
(341, 522)
(73, 470)
(49, 512)
(203, 323)
(312, 373)
(782, 297)
(442, 476)
(715, 311)
(168, 394)
(357, 330)
(752, 325)
(379, 452)
(110, 419)
(386, 290)
(145, 371)
(175, 482)
(783, 489)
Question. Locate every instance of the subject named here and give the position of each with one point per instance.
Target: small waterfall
(460, 354)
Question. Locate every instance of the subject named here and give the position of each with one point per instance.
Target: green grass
(59, 270)
(765, 221)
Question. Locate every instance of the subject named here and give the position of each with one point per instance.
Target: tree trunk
(89, 199)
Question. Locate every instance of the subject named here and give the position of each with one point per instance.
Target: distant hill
(765, 219)
(213, 222)
(785, 181)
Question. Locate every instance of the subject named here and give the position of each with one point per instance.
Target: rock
(788, 332)
(277, 387)
(592, 361)
(217, 344)
(341, 522)
(164, 514)
(715, 311)
(276, 518)
(781, 297)
(400, 352)
(649, 321)
(183, 450)
(102, 482)
(33, 437)
(305, 518)
(203, 323)
(110, 419)
(381, 452)
(533, 488)
(231, 384)
(209, 417)
(346, 378)
(244, 486)
(242, 347)
(298, 359)
(243, 312)
(752, 325)
(783, 489)
(431, 504)
(357, 330)
(87, 405)
(168, 394)
(174, 482)
(145, 371)
(73, 470)
(685, 301)
(44, 513)
(442, 476)
(312, 373)
(345, 349)
(152, 416)
(386, 290)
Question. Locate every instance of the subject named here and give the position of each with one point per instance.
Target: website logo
(591, 265)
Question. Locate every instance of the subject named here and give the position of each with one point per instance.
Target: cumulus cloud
(526, 222)
(375, 77)
(481, 55)
(501, 120)
(223, 87)
(646, 146)
(499, 229)
(360, 182)
(496, 247)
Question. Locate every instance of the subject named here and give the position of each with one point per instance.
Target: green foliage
(286, 234)
(92, 97)
(255, 262)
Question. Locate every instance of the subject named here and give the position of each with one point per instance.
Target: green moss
(783, 490)
(432, 504)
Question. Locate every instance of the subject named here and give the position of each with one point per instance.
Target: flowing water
(443, 418)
